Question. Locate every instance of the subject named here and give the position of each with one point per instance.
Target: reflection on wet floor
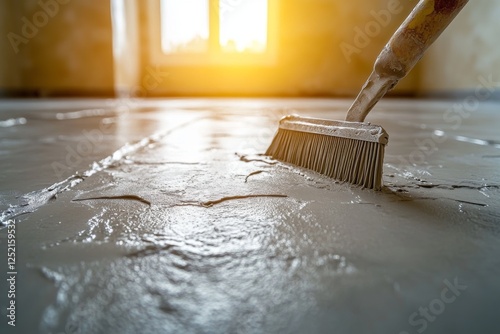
(166, 217)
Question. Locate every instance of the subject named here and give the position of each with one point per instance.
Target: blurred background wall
(10, 77)
(468, 50)
(320, 51)
(54, 47)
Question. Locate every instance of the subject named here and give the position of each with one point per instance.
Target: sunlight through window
(190, 26)
(243, 25)
(184, 26)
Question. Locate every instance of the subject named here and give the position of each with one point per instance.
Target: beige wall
(310, 59)
(63, 49)
(337, 42)
(470, 48)
(323, 49)
(10, 77)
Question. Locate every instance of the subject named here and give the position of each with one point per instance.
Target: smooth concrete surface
(162, 216)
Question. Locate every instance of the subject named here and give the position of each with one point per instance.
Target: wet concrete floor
(163, 216)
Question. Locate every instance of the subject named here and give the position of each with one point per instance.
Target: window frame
(214, 55)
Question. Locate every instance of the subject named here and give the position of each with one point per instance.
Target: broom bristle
(356, 161)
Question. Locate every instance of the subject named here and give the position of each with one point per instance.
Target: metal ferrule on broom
(351, 130)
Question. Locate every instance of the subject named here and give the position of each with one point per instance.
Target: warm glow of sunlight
(243, 25)
(184, 26)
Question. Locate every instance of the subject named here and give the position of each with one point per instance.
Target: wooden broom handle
(405, 48)
(422, 27)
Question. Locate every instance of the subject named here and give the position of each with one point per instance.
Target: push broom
(353, 150)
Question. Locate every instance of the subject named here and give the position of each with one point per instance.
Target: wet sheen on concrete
(164, 217)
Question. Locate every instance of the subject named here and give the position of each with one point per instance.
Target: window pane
(243, 25)
(184, 26)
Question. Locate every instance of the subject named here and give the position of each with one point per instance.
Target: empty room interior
(249, 166)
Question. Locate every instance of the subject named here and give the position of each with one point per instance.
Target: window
(213, 32)
(184, 26)
(243, 28)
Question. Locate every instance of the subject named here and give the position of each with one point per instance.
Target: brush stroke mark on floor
(209, 204)
(34, 200)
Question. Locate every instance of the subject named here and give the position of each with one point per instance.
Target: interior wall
(325, 47)
(336, 42)
(466, 52)
(62, 47)
(10, 78)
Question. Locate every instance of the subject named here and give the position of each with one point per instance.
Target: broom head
(346, 151)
